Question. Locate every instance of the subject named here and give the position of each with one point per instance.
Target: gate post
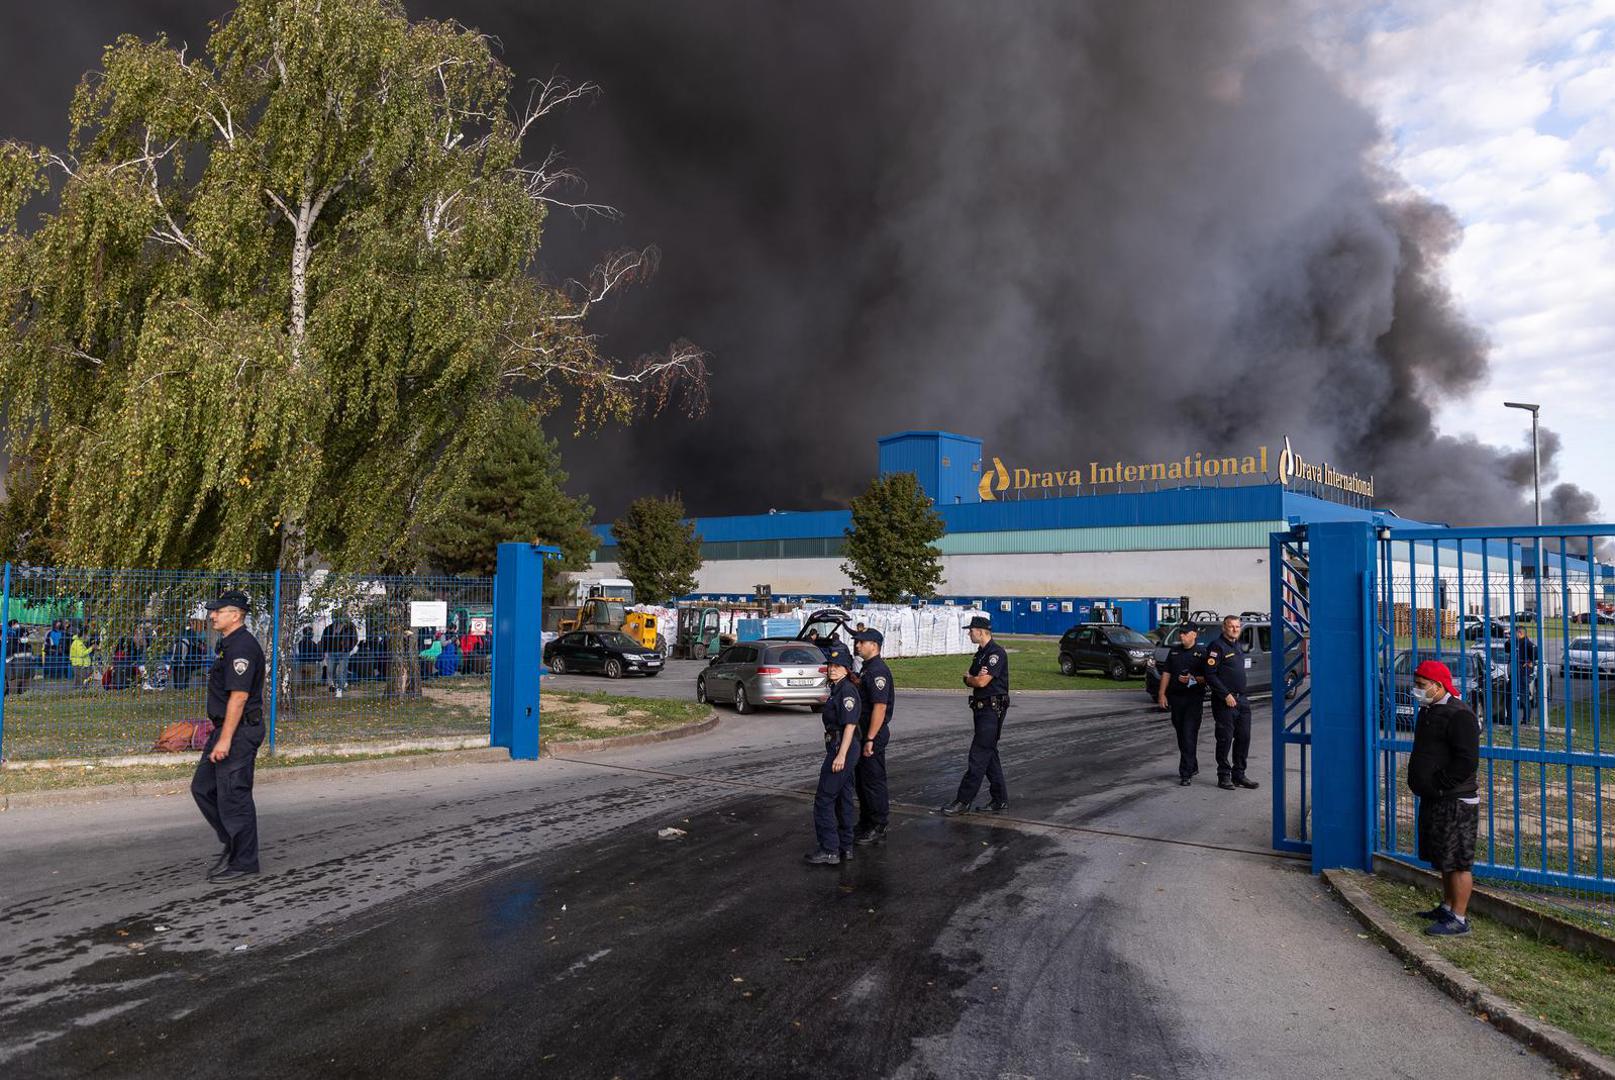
(518, 622)
(1343, 569)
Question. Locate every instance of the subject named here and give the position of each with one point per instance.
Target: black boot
(875, 834)
(1246, 782)
(955, 807)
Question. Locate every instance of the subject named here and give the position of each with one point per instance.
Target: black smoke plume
(1078, 229)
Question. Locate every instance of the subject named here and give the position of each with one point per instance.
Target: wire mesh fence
(1533, 654)
(99, 662)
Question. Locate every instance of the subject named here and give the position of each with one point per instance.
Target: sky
(1504, 111)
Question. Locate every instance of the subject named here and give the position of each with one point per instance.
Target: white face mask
(1428, 695)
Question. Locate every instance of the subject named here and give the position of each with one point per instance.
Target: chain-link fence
(98, 663)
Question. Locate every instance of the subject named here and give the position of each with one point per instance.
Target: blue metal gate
(1487, 603)
(1292, 691)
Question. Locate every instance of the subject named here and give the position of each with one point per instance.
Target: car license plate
(800, 682)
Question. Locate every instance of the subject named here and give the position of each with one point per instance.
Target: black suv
(1119, 651)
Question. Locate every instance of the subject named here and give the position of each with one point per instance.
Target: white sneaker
(339, 693)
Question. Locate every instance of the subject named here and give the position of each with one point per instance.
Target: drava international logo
(992, 480)
(1293, 466)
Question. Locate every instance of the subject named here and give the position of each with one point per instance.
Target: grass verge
(1034, 664)
(570, 717)
(1568, 990)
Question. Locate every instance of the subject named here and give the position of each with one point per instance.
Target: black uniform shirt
(841, 708)
(876, 686)
(991, 658)
(239, 666)
(1181, 661)
(1225, 666)
(1526, 649)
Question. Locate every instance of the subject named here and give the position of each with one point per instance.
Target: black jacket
(1446, 752)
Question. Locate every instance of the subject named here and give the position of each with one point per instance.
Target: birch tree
(269, 296)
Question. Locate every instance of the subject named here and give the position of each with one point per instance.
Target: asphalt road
(524, 920)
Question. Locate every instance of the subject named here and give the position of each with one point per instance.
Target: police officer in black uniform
(1183, 691)
(876, 688)
(222, 785)
(833, 811)
(1230, 706)
(988, 680)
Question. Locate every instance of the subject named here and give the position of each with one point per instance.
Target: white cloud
(1504, 110)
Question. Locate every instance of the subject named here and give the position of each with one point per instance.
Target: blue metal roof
(931, 434)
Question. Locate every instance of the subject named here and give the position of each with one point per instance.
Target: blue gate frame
(1292, 689)
(1541, 783)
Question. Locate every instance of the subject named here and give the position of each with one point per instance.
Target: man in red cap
(1441, 772)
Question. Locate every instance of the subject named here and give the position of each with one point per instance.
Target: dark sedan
(606, 653)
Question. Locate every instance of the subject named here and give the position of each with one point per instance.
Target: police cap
(230, 598)
(838, 656)
(870, 634)
(980, 622)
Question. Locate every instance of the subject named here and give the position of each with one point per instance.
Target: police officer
(222, 785)
(1230, 706)
(876, 689)
(833, 814)
(988, 680)
(1183, 691)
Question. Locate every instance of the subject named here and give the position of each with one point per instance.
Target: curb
(618, 742)
(1557, 1045)
(100, 793)
(1538, 924)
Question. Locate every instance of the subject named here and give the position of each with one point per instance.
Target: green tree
(891, 549)
(516, 490)
(657, 549)
(278, 288)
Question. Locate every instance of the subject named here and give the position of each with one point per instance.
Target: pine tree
(891, 549)
(657, 549)
(516, 491)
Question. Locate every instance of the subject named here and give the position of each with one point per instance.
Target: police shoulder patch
(880, 682)
(991, 660)
(848, 704)
(240, 665)
(1211, 659)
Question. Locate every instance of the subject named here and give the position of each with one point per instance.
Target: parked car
(1579, 661)
(1475, 628)
(1604, 618)
(1473, 672)
(1119, 651)
(772, 672)
(607, 652)
(1255, 641)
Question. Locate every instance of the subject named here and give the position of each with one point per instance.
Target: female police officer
(833, 810)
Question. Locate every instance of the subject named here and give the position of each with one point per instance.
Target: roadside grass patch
(569, 716)
(1034, 664)
(1569, 990)
(21, 781)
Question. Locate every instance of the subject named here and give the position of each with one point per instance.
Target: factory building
(1132, 536)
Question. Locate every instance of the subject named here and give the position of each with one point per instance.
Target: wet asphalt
(526, 920)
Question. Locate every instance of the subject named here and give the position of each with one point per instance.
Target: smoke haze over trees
(1077, 230)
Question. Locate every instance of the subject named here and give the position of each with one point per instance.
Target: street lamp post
(1536, 453)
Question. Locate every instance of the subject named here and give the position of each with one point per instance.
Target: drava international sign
(1000, 479)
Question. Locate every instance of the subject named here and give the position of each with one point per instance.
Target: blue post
(274, 665)
(518, 618)
(1341, 557)
(5, 623)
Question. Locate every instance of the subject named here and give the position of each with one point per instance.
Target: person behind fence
(19, 658)
(834, 816)
(1183, 691)
(1525, 658)
(81, 655)
(988, 679)
(1442, 771)
(339, 648)
(877, 691)
(1230, 706)
(222, 785)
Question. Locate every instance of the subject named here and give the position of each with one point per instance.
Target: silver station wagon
(755, 673)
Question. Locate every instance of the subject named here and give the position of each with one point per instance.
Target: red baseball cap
(1436, 672)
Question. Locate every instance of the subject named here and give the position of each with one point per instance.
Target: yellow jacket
(79, 653)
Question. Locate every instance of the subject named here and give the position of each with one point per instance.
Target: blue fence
(100, 662)
(1533, 653)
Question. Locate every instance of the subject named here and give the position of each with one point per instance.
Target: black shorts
(1447, 831)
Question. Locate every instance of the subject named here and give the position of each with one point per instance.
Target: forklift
(698, 635)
